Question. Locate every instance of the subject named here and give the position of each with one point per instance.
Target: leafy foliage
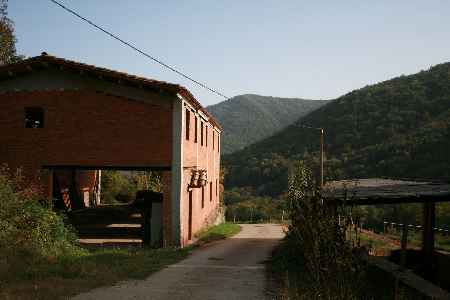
(7, 38)
(247, 119)
(30, 231)
(121, 186)
(319, 261)
(243, 206)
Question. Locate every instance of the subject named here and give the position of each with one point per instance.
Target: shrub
(320, 261)
(30, 231)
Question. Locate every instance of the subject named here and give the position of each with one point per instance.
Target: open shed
(65, 120)
(376, 191)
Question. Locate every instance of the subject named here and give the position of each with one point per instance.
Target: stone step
(99, 232)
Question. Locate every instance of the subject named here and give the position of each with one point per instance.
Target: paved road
(228, 269)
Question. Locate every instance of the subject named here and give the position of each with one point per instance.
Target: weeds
(319, 262)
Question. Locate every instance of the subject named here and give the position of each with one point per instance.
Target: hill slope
(249, 118)
(397, 128)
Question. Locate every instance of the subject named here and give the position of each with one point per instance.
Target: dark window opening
(34, 117)
(210, 191)
(195, 138)
(188, 122)
(201, 133)
(203, 196)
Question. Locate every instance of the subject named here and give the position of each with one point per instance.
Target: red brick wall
(84, 128)
(204, 157)
(88, 128)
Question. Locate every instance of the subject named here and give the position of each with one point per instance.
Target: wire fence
(393, 225)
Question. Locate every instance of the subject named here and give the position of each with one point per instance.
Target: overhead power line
(307, 126)
(135, 48)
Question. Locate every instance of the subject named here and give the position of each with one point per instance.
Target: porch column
(177, 173)
(428, 235)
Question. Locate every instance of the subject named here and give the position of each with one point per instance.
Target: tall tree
(8, 52)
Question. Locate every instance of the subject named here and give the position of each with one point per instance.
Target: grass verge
(218, 232)
(87, 270)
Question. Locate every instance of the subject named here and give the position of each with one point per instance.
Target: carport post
(428, 235)
(147, 225)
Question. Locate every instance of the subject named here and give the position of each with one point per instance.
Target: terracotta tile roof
(44, 60)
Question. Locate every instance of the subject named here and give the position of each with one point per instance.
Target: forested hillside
(247, 119)
(397, 128)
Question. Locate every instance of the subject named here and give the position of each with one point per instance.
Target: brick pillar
(50, 186)
(166, 208)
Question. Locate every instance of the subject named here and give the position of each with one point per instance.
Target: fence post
(404, 245)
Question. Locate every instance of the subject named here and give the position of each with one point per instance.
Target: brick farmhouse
(61, 122)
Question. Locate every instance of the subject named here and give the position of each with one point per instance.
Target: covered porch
(377, 191)
(77, 189)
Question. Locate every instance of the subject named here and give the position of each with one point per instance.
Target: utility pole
(321, 157)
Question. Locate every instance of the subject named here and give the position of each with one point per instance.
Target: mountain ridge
(249, 118)
(396, 128)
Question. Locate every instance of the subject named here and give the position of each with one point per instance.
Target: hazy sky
(307, 49)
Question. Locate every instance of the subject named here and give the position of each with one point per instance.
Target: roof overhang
(375, 191)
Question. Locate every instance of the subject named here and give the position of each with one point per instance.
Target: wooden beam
(105, 167)
(444, 197)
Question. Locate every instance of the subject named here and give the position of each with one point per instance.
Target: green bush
(121, 186)
(30, 231)
(319, 260)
